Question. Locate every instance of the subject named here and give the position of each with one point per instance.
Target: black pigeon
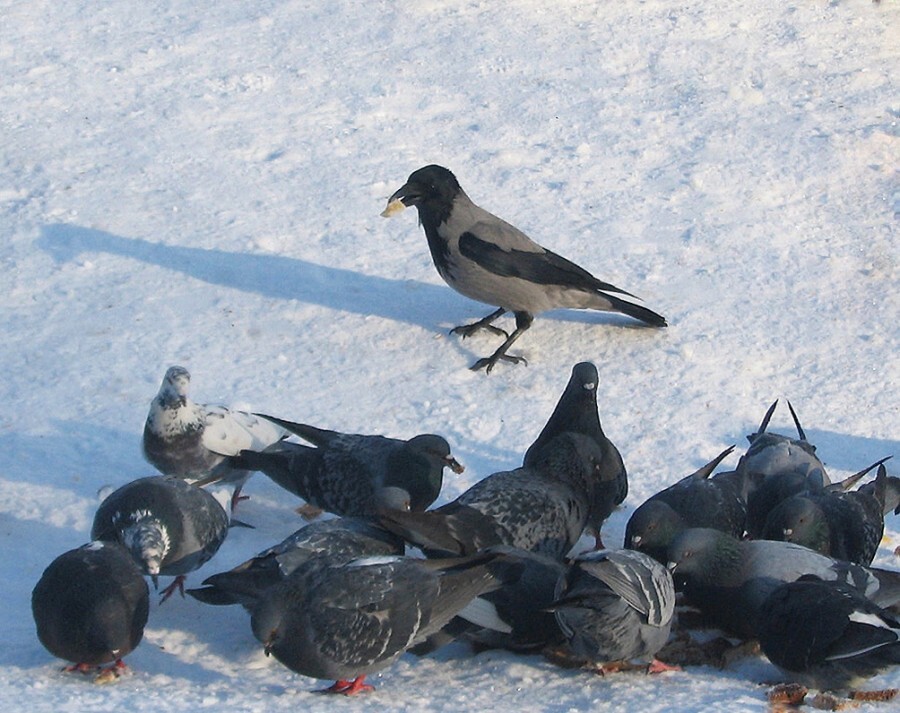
(542, 507)
(90, 606)
(341, 539)
(615, 605)
(826, 635)
(729, 579)
(776, 467)
(576, 412)
(170, 527)
(844, 525)
(343, 473)
(344, 621)
(489, 260)
(195, 441)
(694, 501)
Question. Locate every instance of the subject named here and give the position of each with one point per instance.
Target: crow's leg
(467, 330)
(523, 322)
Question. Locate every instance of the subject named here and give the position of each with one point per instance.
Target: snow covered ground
(199, 184)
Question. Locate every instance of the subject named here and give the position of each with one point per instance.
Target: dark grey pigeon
(729, 579)
(195, 441)
(844, 525)
(776, 467)
(542, 507)
(694, 501)
(576, 412)
(489, 260)
(826, 635)
(90, 606)
(614, 606)
(343, 621)
(341, 539)
(170, 527)
(343, 472)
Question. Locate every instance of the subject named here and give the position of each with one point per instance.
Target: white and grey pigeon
(343, 473)
(614, 606)
(90, 607)
(488, 260)
(775, 467)
(826, 635)
(170, 527)
(342, 620)
(195, 441)
(341, 539)
(729, 579)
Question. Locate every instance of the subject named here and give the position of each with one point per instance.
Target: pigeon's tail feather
(318, 436)
(290, 465)
(648, 316)
(236, 587)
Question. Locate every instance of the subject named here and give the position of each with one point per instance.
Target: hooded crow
(489, 260)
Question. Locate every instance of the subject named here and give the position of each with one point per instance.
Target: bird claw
(487, 363)
(349, 688)
(467, 330)
(177, 585)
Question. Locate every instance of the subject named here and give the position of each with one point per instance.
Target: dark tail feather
(648, 316)
(317, 436)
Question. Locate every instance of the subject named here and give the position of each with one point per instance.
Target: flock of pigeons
(771, 551)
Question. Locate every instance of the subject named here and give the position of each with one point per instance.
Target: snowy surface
(200, 184)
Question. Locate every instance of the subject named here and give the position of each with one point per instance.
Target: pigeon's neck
(148, 540)
(177, 416)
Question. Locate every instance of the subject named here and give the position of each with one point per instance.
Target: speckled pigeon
(776, 467)
(342, 539)
(170, 527)
(343, 621)
(844, 525)
(891, 491)
(729, 579)
(90, 606)
(615, 605)
(542, 507)
(576, 411)
(194, 441)
(694, 501)
(343, 472)
(826, 635)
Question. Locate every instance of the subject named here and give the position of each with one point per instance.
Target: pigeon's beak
(454, 465)
(270, 642)
(636, 541)
(671, 566)
(155, 579)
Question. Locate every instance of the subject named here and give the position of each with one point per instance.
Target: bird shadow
(274, 276)
(844, 451)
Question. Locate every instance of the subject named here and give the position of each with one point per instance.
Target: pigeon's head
(175, 384)
(800, 520)
(699, 554)
(418, 468)
(652, 528)
(266, 620)
(432, 189)
(148, 541)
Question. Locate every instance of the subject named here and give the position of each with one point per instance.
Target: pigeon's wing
(229, 432)
(488, 245)
(641, 581)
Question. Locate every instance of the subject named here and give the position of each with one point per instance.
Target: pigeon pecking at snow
(615, 605)
(826, 635)
(341, 539)
(90, 607)
(489, 260)
(342, 473)
(729, 579)
(194, 441)
(342, 621)
(170, 527)
(694, 501)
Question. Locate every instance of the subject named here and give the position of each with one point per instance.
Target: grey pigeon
(694, 501)
(542, 507)
(90, 606)
(343, 473)
(341, 539)
(729, 579)
(345, 620)
(844, 525)
(891, 493)
(776, 467)
(826, 635)
(170, 527)
(489, 260)
(194, 441)
(615, 605)
(576, 412)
